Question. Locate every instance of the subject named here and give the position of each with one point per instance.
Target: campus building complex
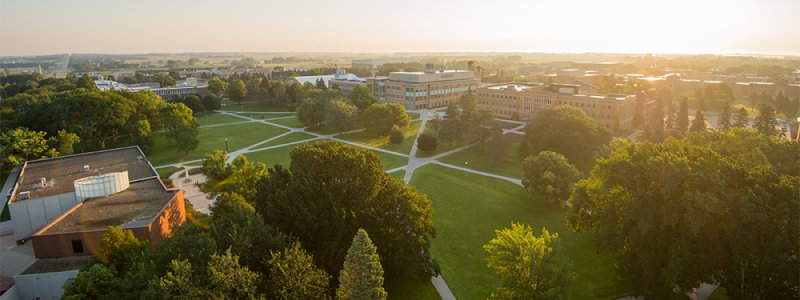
(66, 204)
(615, 112)
(430, 88)
(345, 82)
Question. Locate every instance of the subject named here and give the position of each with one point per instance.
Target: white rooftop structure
(420, 77)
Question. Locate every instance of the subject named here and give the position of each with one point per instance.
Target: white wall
(12, 294)
(32, 214)
(43, 286)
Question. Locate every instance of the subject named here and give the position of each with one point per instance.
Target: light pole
(226, 144)
(466, 166)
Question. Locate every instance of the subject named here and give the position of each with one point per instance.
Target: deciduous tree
(550, 175)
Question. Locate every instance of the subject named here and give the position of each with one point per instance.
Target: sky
(34, 27)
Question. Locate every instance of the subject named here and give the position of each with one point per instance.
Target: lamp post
(466, 166)
(226, 144)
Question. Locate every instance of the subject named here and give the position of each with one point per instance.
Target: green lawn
(217, 118)
(212, 138)
(398, 174)
(382, 142)
(292, 137)
(507, 125)
(264, 115)
(251, 107)
(413, 115)
(289, 122)
(507, 165)
(280, 156)
(719, 294)
(468, 208)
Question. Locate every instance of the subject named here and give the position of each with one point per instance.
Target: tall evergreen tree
(699, 123)
(742, 118)
(765, 122)
(362, 276)
(724, 121)
(682, 122)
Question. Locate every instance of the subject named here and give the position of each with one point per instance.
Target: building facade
(431, 88)
(615, 112)
(345, 82)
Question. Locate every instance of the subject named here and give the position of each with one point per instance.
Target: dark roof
(61, 172)
(59, 264)
(140, 202)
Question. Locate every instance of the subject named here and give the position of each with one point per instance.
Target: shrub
(427, 142)
(396, 135)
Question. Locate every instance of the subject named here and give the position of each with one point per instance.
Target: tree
(178, 283)
(361, 97)
(238, 177)
(192, 102)
(295, 92)
(682, 121)
(362, 275)
(568, 131)
(528, 267)
(699, 122)
(165, 80)
(742, 118)
(119, 248)
(495, 144)
(211, 102)
(94, 282)
(550, 175)
(320, 84)
(85, 83)
(380, 118)
(237, 91)
(699, 209)
(332, 190)
(339, 114)
(181, 126)
(311, 112)
(229, 280)
(293, 275)
(654, 126)
(396, 135)
(724, 121)
(451, 128)
(20, 145)
(217, 86)
(427, 142)
(766, 122)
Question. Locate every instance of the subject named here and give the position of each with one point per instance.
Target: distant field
(212, 138)
(468, 208)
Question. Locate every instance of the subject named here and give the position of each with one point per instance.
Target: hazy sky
(660, 26)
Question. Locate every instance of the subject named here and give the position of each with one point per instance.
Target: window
(77, 246)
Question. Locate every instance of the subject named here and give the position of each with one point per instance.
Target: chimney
(24, 195)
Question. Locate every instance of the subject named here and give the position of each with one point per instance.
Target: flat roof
(139, 202)
(60, 264)
(515, 86)
(61, 172)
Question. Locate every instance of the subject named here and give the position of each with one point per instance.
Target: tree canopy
(568, 131)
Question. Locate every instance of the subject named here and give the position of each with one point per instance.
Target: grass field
(217, 118)
(263, 115)
(468, 208)
(289, 122)
(507, 165)
(398, 174)
(251, 107)
(292, 137)
(413, 115)
(382, 142)
(212, 138)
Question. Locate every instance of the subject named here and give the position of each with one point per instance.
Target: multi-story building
(66, 204)
(431, 88)
(615, 112)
